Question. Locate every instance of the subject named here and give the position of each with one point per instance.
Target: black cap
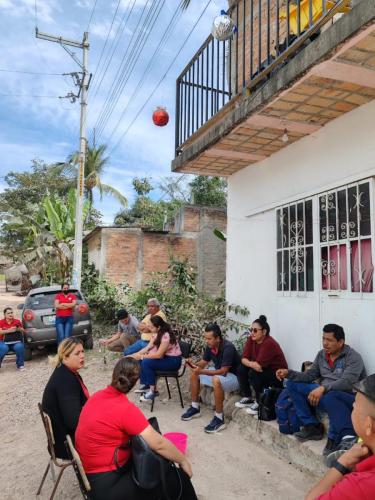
(366, 387)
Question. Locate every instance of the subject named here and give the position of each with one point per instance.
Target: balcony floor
(300, 100)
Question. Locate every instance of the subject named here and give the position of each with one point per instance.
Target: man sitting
(222, 377)
(127, 332)
(11, 338)
(145, 327)
(337, 367)
(352, 475)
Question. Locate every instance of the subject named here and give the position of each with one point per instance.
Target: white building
(298, 149)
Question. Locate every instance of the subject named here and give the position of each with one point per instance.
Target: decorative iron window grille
(345, 239)
(295, 266)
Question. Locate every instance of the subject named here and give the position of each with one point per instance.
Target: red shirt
(107, 421)
(358, 485)
(4, 325)
(268, 354)
(65, 299)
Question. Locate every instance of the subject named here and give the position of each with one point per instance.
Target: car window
(46, 300)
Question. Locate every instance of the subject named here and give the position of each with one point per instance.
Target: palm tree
(95, 164)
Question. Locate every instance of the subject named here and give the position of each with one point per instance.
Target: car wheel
(28, 354)
(89, 342)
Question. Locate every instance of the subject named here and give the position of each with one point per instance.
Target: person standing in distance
(65, 303)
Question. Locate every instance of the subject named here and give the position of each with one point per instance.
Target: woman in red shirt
(65, 303)
(11, 333)
(261, 357)
(107, 421)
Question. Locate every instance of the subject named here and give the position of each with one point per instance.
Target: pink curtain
(362, 274)
(335, 265)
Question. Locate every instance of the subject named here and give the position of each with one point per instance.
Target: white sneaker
(244, 403)
(20, 368)
(253, 409)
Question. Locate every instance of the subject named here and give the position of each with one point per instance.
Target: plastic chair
(58, 462)
(83, 482)
(185, 351)
(316, 13)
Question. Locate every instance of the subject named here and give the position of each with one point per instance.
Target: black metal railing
(268, 33)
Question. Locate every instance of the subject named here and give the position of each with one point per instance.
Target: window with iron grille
(295, 266)
(345, 239)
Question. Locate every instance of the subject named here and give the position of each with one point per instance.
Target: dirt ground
(225, 466)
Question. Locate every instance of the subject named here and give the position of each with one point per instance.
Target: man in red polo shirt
(352, 475)
(11, 333)
(65, 303)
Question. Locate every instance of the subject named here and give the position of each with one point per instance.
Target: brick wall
(129, 255)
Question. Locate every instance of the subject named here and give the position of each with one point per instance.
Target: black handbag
(149, 469)
(267, 402)
(12, 338)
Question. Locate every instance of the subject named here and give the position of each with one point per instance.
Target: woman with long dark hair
(163, 353)
(106, 424)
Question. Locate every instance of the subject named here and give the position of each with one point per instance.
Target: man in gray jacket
(327, 385)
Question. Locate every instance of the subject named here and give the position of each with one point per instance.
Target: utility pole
(83, 84)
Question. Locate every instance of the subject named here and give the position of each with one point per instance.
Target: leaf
(222, 236)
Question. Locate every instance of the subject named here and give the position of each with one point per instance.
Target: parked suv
(38, 318)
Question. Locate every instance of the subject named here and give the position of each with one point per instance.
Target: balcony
(290, 68)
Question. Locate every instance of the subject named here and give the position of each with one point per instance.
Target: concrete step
(305, 456)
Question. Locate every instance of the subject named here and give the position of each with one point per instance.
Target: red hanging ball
(160, 117)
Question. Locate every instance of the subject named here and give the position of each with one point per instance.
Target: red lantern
(160, 117)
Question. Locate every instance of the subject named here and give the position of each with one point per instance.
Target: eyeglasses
(255, 330)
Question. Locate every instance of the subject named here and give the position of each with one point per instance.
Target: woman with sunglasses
(261, 358)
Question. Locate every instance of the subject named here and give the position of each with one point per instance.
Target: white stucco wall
(340, 153)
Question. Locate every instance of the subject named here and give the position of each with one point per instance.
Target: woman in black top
(65, 393)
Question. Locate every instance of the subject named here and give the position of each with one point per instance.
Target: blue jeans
(18, 348)
(338, 405)
(137, 346)
(64, 327)
(150, 366)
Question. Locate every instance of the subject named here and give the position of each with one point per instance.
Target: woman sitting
(106, 423)
(65, 393)
(163, 353)
(261, 357)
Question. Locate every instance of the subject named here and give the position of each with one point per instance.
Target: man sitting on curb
(127, 333)
(337, 367)
(352, 475)
(222, 377)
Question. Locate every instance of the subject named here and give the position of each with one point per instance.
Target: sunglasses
(255, 330)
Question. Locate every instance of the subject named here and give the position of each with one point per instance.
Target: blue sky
(47, 128)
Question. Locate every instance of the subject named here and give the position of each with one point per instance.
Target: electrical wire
(160, 81)
(29, 72)
(167, 33)
(28, 95)
(36, 15)
(91, 15)
(118, 36)
(132, 59)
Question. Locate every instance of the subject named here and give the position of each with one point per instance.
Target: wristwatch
(341, 468)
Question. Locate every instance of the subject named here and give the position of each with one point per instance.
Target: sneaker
(148, 397)
(142, 389)
(20, 368)
(329, 447)
(215, 425)
(344, 446)
(244, 403)
(253, 409)
(191, 413)
(311, 432)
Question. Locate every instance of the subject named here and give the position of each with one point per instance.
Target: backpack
(267, 401)
(286, 414)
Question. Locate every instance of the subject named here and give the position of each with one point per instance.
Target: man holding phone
(11, 338)
(222, 377)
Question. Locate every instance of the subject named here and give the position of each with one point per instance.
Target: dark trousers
(119, 485)
(249, 378)
(338, 405)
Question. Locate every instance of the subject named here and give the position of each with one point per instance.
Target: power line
(133, 58)
(167, 33)
(29, 72)
(161, 79)
(36, 15)
(29, 95)
(91, 15)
